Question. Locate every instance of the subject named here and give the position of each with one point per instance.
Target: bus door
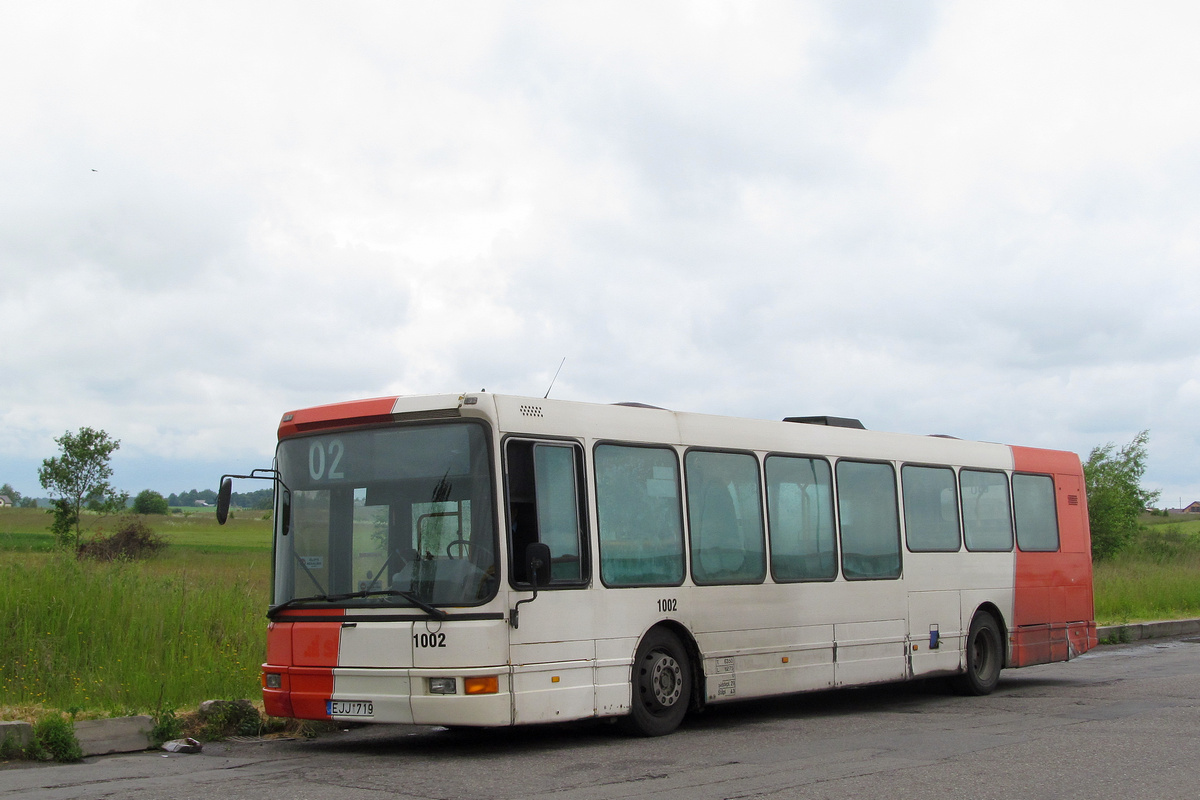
(552, 643)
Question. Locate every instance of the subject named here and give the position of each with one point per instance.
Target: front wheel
(662, 684)
(985, 656)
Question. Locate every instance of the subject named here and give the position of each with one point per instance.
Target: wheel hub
(666, 680)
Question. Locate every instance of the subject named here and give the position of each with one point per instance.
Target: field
(26, 529)
(188, 625)
(1157, 577)
(180, 628)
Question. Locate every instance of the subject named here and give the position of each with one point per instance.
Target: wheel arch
(992, 610)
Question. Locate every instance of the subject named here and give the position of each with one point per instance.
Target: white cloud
(952, 218)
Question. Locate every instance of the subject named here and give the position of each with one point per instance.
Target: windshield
(392, 511)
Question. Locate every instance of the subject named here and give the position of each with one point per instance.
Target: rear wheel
(985, 656)
(662, 684)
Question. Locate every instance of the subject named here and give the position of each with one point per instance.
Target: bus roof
(640, 423)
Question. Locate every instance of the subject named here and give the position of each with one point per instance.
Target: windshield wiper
(432, 611)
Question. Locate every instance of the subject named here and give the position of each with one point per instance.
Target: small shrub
(150, 502)
(132, 541)
(64, 523)
(54, 740)
(167, 726)
(220, 719)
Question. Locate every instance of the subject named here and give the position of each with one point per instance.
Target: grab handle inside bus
(537, 567)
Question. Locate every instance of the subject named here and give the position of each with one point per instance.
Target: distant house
(5, 501)
(1193, 508)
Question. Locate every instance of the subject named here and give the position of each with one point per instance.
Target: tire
(985, 656)
(661, 681)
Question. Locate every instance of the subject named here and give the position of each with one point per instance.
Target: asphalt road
(1122, 721)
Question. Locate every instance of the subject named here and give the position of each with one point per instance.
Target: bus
(490, 560)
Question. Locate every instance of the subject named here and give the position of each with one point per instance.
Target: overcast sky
(978, 219)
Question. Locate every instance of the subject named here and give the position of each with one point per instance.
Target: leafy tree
(189, 498)
(262, 499)
(1115, 496)
(78, 475)
(17, 500)
(149, 501)
(106, 501)
(12, 494)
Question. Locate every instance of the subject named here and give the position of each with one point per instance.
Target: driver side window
(545, 504)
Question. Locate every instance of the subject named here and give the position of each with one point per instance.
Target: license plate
(350, 708)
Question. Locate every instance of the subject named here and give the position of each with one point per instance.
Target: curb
(1136, 631)
(20, 732)
(96, 737)
(99, 737)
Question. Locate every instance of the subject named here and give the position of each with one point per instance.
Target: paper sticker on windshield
(313, 562)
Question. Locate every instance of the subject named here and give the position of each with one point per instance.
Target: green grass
(1157, 577)
(118, 636)
(1187, 523)
(96, 638)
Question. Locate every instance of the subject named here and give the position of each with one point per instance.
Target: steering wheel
(464, 548)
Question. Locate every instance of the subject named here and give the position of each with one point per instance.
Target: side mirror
(223, 495)
(537, 564)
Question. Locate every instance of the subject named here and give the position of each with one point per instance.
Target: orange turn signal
(488, 685)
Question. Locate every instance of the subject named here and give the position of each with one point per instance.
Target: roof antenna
(552, 380)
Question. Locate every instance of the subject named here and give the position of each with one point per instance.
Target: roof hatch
(833, 422)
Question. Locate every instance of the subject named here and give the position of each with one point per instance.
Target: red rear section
(1053, 615)
(303, 654)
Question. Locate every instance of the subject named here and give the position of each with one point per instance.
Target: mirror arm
(226, 489)
(512, 616)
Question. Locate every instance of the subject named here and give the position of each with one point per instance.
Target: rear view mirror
(537, 564)
(223, 495)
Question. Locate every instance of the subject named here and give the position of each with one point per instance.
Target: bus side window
(725, 517)
(1036, 517)
(639, 514)
(870, 518)
(930, 509)
(987, 520)
(800, 519)
(544, 506)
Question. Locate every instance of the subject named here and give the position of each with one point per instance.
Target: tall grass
(126, 636)
(1157, 577)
